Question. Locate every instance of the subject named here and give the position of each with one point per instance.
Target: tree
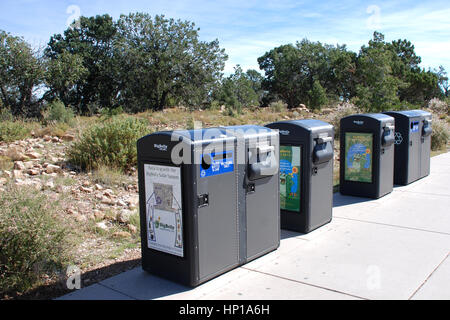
(443, 81)
(93, 43)
(292, 71)
(162, 58)
(63, 74)
(317, 96)
(256, 80)
(21, 74)
(237, 90)
(377, 87)
(282, 74)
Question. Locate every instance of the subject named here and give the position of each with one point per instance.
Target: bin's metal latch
(203, 200)
(251, 188)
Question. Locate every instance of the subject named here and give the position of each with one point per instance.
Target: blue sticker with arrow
(216, 163)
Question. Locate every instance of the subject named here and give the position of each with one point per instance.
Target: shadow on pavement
(58, 287)
(340, 200)
(142, 285)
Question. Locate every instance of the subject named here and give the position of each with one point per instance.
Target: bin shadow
(285, 234)
(340, 200)
(142, 285)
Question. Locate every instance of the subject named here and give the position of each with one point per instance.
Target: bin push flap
(388, 137)
(323, 150)
(262, 162)
(427, 130)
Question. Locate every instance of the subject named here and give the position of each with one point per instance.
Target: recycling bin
(306, 173)
(412, 145)
(208, 200)
(367, 155)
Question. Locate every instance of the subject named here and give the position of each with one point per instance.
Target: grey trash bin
(204, 210)
(412, 145)
(306, 173)
(367, 155)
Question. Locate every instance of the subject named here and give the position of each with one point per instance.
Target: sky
(248, 28)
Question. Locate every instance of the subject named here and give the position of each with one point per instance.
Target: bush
(107, 112)
(6, 115)
(112, 143)
(342, 111)
(278, 106)
(440, 135)
(14, 130)
(215, 105)
(32, 241)
(110, 177)
(439, 106)
(57, 112)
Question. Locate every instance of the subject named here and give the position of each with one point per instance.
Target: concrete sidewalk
(396, 247)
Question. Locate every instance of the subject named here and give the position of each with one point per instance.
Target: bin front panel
(425, 154)
(414, 149)
(218, 239)
(261, 189)
(367, 155)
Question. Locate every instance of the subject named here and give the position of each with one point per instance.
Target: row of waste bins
(214, 199)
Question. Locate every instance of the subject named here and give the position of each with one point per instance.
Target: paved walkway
(396, 247)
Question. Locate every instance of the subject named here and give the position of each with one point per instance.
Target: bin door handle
(265, 149)
(322, 140)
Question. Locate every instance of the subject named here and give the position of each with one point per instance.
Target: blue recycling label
(415, 126)
(221, 162)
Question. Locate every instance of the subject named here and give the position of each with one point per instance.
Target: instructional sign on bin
(164, 208)
(290, 178)
(358, 157)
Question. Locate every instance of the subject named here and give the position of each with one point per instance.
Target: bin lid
(308, 124)
(404, 113)
(376, 116)
(195, 134)
(423, 113)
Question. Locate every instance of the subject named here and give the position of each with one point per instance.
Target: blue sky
(249, 28)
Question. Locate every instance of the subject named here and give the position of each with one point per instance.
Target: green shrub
(106, 112)
(110, 177)
(6, 115)
(278, 106)
(57, 112)
(14, 130)
(111, 143)
(215, 105)
(33, 241)
(440, 135)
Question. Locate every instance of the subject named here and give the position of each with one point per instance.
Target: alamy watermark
(374, 21)
(253, 145)
(73, 275)
(73, 21)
